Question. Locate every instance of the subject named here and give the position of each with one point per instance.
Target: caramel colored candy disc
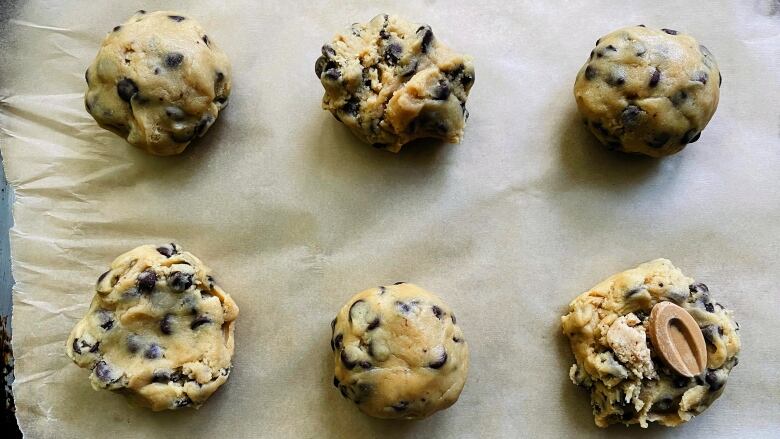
(678, 340)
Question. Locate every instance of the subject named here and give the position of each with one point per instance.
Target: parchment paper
(295, 215)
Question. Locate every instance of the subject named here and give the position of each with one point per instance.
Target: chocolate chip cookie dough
(398, 352)
(158, 81)
(648, 91)
(617, 362)
(391, 81)
(159, 329)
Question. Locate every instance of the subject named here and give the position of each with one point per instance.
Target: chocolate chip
(365, 365)
(353, 307)
(336, 382)
(453, 319)
(346, 362)
(410, 69)
(631, 115)
(702, 77)
(641, 25)
(690, 136)
(679, 97)
(611, 48)
(75, 346)
(382, 290)
(457, 339)
(598, 41)
(161, 376)
(680, 381)
(173, 60)
(179, 281)
(153, 351)
(133, 343)
(466, 79)
(343, 390)
(399, 283)
(146, 281)
(184, 401)
(156, 70)
(426, 35)
(400, 406)
(199, 321)
(590, 73)
(337, 341)
(616, 78)
(106, 322)
(698, 288)
(351, 107)
(440, 361)
(663, 405)
(333, 325)
(393, 53)
(709, 333)
(104, 372)
(319, 65)
(437, 312)
(221, 100)
(174, 113)
(126, 89)
(720, 79)
(659, 140)
(177, 18)
(634, 291)
(709, 307)
(670, 31)
(116, 28)
(103, 276)
(204, 124)
(205, 39)
(403, 307)
(140, 11)
(373, 325)
(655, 77)
(713, 381)
(166, 324)
(384, 34)
(441, 91)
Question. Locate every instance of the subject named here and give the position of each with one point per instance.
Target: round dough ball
(391, 81)
(158, 81)
(607, 327)
(398, 352)
(159, 329)
(648, 91)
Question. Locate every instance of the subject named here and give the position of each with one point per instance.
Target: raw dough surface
(159, 329)
(628, 383)
(158, 81)
(398, 352)
(391, 81)
(648, 91)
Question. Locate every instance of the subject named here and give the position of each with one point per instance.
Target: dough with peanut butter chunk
(398, 352)
(158, 81)
(629, 383)
(648, 91)
(391, 81)
(159, 329)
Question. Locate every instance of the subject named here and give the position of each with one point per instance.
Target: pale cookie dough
(391, 81)
(648, 91)
(158, 81)
(628, 382)
(159, 329)
(398, 352)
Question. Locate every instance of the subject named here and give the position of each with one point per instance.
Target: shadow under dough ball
(648, 91)
(159, 329)
(158, 81)
(398, 352)
(609, 329)
(391, 82)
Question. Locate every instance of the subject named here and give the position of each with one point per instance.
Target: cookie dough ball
(158, 81)
(391, 81)
(159, 329)
(648, 91)
(398, 352)
(616, 361)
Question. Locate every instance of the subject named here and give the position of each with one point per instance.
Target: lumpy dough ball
(398, 352)
(391, 81)
(159, 329)
(158, 81)
(616, 361)
(648, 91)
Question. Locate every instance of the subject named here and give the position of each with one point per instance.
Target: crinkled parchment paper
(295, 215)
